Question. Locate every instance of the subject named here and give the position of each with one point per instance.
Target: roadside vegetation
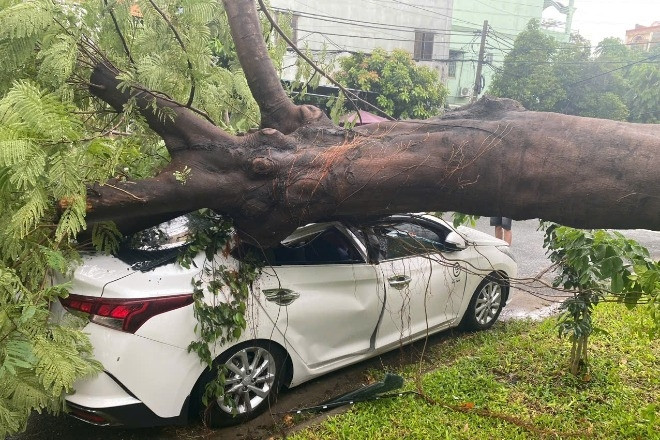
(401, 88)
(614, 81)
(512, 382)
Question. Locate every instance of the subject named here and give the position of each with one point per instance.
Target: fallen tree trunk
(491, 158)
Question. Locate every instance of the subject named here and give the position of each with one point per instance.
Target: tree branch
(180, 131)
(491, 158)
(277, 110)
(494, 158)
(119, 33)
(350, 95)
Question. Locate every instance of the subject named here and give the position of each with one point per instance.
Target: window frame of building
(423, 50)
(452, 64)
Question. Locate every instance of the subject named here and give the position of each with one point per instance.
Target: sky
(598, 19)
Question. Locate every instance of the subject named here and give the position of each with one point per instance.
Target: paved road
(533, 299)
(525, 301)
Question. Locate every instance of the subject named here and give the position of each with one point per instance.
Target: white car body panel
(146, 367)
(344, 313)
(100, 391)
(427, 302)
(347, 319)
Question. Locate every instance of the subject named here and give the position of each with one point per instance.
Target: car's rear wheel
(486, 303)
(253, 377)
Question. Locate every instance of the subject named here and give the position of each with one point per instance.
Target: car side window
(406, 239)
(327, 247)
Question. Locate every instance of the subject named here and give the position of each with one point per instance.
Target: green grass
(512, 382)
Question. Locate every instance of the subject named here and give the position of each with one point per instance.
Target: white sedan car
(330, 295)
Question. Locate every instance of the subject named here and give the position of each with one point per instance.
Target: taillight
(126, 315)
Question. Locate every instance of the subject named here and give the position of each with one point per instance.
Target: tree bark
(277, 110)
(491, 158)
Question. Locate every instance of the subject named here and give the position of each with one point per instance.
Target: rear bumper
(135, 415)
(104, 401)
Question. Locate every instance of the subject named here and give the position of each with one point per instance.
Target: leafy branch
(595, 264)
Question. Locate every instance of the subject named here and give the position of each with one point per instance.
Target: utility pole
(482, 49)
(569, 19)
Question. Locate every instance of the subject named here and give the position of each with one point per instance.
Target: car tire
(252, 393)
(486, 303)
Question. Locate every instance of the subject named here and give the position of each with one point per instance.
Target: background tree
(644, 91)
(527, 74)
(612, 82)
(403, 89)
(599, 97)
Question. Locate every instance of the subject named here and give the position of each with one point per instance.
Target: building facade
(505, 21)
(442, 34)
(339, 27)
(644, 37)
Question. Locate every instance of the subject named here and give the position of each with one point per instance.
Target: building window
(423, 45)
(454, 57)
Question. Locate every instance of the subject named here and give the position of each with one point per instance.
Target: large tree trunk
(491, 158)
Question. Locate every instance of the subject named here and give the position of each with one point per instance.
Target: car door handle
(399, 281)
(281, 297)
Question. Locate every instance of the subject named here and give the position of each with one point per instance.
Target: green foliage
(459, 219)
(599, 266)
(402, 88)
(598, 98)
(644, 95)
(39, 360)
(527, 75)
(106, 237)
(614, 82)
(220, 292)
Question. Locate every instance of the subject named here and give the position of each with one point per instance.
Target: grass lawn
(512, 382)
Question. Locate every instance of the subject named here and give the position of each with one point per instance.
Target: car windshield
(161, 244)
(171, 234)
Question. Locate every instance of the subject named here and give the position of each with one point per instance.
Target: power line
(361, 23)
(562, 45)
(476, 25)
(614, 70)
(449, 33)
(494, 35)
(334, 34)
(381, 26)
(345, 49)
(435, 13)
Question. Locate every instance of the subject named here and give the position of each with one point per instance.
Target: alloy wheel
(249, 380)
(488, 303)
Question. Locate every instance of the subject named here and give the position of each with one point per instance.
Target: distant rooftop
(644, 37)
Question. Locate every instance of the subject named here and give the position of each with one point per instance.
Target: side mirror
(455, 241)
